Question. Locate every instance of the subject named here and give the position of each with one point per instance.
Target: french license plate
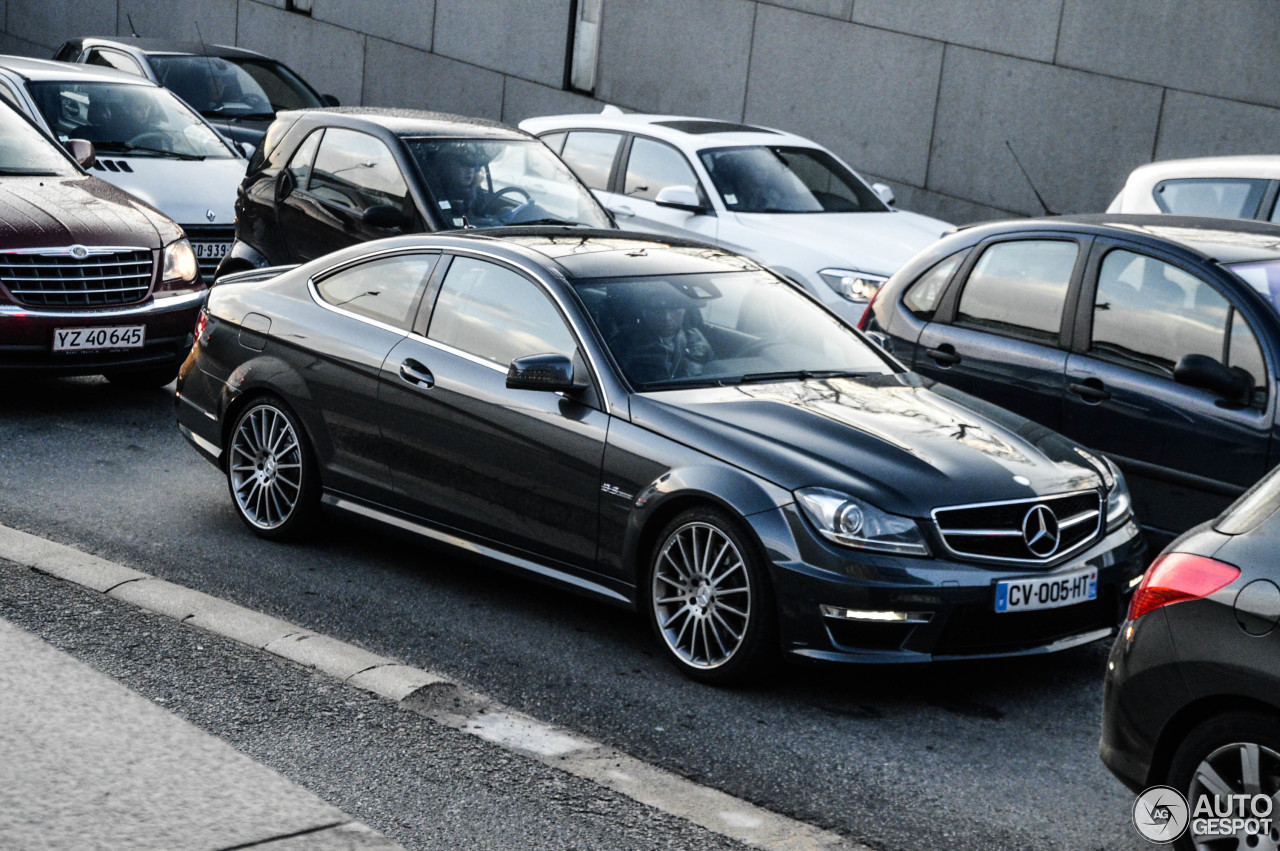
(210, 250)
(89, 339)
(1046, 592)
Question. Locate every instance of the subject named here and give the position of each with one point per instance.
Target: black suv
(1152, 339)
(321, 180)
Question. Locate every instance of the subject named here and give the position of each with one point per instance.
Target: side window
(114, 59)
(1233, 198)
(299, 167)
(386, 290)
(923, 296)
(554, 141)
(1019, 288)
(357, 171)
(653, 166)
(494, 313)
(590, 155)
(1148, 314)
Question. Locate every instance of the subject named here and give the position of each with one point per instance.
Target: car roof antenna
(204, 48)
(1030, 183)
(132, 28)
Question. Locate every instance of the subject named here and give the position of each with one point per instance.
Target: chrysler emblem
(79, 252)
(210, 215)
(1040, 531)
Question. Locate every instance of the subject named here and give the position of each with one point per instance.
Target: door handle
(622, 211)
(945, 355)
(415, 373)
(1091, 390)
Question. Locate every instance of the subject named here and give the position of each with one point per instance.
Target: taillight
(866, 314)
(1175, 577)
(201, 321)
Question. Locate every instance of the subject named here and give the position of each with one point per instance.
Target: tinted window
(494, 313)
(1236, 198)
(922, 297)
(590, 155)
(1019, 288)
(653, 166)
(233, 87)
(114, 59)
(300, 163)
(554, 141)
(386, 290)
(25, 150)
(356, 170)
(778, 179)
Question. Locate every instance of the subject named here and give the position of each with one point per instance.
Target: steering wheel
(152, 139)
(758, 347)
(513, 190)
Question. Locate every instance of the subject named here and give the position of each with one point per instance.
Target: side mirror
(549, 372)
(680, 198)
(1204, 372)
(883, 192)
(385, 216)
(82, 152)
(330, 100)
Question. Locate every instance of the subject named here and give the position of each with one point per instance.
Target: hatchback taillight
(1175, 577)
(866, 314)
(201, 321)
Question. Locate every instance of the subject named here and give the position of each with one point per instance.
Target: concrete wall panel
(49, 23)
(676, 56)
(330, 58)
(1027, 28)
(945, 207)
(1215, 47)
(394, 20)
(1078, 135)
(402, 76)
(523, 100)
(864, 93)
(524, 38)
(176, 19)
(839, 9)
(17, 47)
(1198, 126)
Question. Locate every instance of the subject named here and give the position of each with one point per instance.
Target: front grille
(1007, 531)
(55, 277)
(209, 234)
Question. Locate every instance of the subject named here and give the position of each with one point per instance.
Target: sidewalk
(86, 763)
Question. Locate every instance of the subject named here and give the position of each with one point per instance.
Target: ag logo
(79, 252)
(1160, 814)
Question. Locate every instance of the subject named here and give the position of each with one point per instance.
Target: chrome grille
(56, 277)
(1008, 531)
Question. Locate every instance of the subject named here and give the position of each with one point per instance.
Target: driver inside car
(461, 185)
(662, 343)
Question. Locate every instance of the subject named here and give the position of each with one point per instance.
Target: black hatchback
(1152, 339)
(321, 180)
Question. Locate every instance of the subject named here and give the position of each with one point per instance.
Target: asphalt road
(974, 756)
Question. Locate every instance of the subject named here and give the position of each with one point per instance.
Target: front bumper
(26, 336)
(952, 602)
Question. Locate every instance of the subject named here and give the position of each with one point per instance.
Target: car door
(351, 174)
(650, 167)
(1001, 332)
(520, 468)
(1185, 451)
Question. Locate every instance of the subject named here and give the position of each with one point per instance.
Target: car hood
(44, 212)
(184, 190)
(902, 442)
(870, 242)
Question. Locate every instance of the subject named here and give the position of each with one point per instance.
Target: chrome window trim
(1052, 558)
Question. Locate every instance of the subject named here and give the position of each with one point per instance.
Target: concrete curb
(427, 694)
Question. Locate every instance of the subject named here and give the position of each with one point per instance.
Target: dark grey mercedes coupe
(664, 426)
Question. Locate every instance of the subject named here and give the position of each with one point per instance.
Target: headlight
(1119, 506)
(179, 262)
(851, 284)
(854, 523)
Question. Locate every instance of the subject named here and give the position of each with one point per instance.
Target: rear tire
(271, 471)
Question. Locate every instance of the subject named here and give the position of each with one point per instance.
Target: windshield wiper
(548, 221)
(798, 374)
(143, 149)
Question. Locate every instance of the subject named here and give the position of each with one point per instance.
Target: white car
(1222, 187)
(147, 141)
(778, 198)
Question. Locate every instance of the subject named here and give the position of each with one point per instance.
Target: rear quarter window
(923, 296)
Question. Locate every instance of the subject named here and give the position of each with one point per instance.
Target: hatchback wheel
(709, 599)
(1237, 753)
(271, 471)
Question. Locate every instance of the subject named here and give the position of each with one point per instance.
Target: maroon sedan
(92, 280)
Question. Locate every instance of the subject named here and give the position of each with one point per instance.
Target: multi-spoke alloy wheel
(706, 598)
(269, 470)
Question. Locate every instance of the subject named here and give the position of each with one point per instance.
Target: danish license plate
(90, 339)
(210, 250)
(1046, 592)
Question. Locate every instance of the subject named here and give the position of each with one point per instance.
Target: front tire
(709, 600)
(271, 471)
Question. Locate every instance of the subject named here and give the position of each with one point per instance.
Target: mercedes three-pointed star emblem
(1041, 532)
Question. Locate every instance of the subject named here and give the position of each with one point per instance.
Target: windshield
(118, 117)
(1263, 276)
(488, 183)
(776, 179)
(715, 329)
(23, 150)
(233, 88)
